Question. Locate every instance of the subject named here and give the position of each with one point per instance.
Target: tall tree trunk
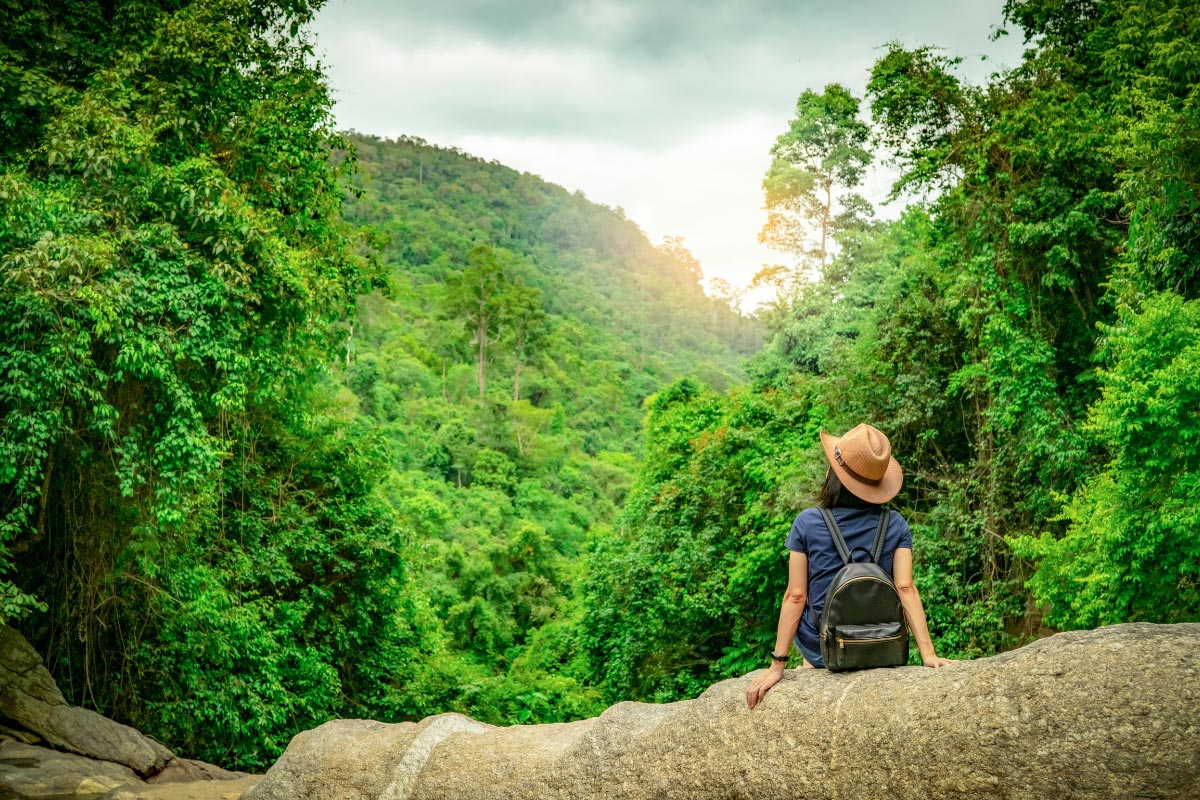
(517, 372)
(825, 223)
(481, 362)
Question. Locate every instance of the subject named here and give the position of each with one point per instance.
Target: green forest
(299, 423)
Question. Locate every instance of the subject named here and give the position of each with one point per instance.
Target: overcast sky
(667, 109)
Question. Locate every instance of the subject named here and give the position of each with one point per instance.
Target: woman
(862, 475)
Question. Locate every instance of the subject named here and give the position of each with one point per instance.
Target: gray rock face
(29, 699)
(1108, 713)
(30, 771)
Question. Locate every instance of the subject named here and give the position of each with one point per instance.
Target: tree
(477, 296)
(528, 324)
(171, 252)
(528, 421)
(728, 293)
(1027, 218)
(823, 149)
(674, 248)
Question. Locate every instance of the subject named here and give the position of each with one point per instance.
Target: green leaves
(920, 110)
(1131, 552)
(174, 276)
(581, 319)
(263, 613)
(682, 595)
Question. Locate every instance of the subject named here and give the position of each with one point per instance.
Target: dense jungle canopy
(297, 424)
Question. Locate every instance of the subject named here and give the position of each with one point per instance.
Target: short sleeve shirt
(810, 535)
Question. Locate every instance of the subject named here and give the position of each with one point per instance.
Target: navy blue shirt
(810, 535)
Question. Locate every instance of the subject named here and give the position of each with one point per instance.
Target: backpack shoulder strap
(838, 541)
(877, 547)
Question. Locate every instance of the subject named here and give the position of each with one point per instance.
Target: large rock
(29, 699)
(360, 758)
(32, 771)
(29, 771)
(1108, 713)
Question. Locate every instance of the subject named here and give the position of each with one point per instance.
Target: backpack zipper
(842, 641)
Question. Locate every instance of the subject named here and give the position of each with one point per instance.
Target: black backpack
(862, 624)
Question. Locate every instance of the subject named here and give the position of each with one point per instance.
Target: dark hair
(833, 494)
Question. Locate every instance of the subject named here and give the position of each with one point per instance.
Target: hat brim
(878, 493)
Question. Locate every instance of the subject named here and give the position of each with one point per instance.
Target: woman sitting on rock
(862, 476)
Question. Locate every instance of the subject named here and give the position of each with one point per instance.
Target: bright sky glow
(667, 109)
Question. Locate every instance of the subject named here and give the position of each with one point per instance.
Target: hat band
(837, 453)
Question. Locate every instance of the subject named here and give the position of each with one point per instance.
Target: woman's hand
(758, 689)
(937, 661)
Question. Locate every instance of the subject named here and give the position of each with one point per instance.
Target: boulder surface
(49, 749)
(231, 789)
(189, 770)
(29, 771)
(1113, 712)
(30, 700)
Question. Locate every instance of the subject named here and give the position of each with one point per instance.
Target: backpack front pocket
(846, 635)
(883, 644)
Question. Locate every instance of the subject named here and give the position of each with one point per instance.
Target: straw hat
(862, 460)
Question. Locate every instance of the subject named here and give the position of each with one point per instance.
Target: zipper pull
(841, 643)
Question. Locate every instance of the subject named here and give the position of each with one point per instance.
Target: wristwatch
(782, 658)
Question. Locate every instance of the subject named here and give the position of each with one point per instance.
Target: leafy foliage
(679, 595)
(568, 319)
(1131, 552)
(174, 276)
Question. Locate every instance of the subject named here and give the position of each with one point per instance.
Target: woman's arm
(914, 612)
(790, 611)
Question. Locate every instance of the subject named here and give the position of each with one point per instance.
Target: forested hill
(613, 316)
(502, 375)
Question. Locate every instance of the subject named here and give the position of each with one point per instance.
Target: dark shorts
(809, 656)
